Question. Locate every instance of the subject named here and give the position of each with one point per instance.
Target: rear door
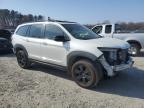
(34, 39)
(20, 36)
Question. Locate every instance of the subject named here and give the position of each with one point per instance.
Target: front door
(52, 51)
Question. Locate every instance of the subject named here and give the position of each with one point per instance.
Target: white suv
(86, 55)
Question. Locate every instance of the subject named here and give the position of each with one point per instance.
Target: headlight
(110, 55)
(112, 52)
(113, 55)
(123, 55)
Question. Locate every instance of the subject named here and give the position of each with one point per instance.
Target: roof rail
(53, 20)
(49, 20)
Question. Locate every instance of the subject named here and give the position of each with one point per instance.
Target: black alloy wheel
(85, 73)
(22, 59)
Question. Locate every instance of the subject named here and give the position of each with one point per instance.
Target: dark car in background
(5, 41)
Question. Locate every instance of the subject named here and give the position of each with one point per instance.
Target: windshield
(80, 32)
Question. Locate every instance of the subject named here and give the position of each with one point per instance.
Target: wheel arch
(135, 41)
(77, 55)
(20, 47)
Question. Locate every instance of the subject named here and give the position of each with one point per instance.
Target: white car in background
(135, 38)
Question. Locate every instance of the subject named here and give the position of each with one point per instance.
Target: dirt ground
(45, 87)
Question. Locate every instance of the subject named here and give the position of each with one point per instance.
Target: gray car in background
(5, 41)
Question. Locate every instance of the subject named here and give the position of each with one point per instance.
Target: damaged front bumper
(111, 70)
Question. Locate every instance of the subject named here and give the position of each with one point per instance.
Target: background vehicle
(5, 41)
(86, 55)
(135, 39)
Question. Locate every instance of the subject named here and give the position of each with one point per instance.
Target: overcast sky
(82, 11)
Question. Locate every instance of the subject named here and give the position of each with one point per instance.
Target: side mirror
(61, 39)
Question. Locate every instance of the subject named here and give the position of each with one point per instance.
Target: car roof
(48, 22)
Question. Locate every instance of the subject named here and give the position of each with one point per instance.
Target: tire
(134, 49)
(86, 74)
(22, 59)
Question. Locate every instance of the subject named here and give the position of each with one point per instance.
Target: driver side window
(51, 31)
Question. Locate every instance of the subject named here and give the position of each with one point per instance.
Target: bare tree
(11, 18)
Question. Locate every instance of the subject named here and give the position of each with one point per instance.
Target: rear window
(108, 29)
(22, 30)
(36, 31)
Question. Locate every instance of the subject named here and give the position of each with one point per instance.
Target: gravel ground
(45, 87)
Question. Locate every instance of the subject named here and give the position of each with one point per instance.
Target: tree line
(11, 18)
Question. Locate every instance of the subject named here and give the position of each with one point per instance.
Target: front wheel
(86, 74)
(134, 49)
(22, 59)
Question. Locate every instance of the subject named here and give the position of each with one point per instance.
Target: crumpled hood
(106, 42)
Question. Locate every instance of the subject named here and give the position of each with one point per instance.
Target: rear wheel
(86, 74)
(22, 59)
(134, 49)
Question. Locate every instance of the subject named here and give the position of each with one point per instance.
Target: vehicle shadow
(141, 54)
(129, 83)
(51, 70)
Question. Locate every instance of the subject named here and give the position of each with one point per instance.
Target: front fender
(79, 54)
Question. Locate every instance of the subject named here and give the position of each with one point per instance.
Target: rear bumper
(111, 70)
